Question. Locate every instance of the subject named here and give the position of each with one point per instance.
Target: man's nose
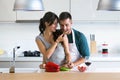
(65, 28)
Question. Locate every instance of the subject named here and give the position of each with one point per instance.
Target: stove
(31, 53)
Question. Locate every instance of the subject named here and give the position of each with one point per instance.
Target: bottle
(93, 48)
(104, 48)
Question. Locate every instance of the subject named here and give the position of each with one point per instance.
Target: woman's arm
(66, 49)
(46, 52)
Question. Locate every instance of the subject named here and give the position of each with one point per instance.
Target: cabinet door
(6, 10)
(21, 64)
(56, 6)
(103, 15)
(106, 64)
(86, 10)
(81, 10)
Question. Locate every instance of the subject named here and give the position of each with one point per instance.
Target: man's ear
(71, 21)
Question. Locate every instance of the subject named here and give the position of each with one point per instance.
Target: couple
(69, 49)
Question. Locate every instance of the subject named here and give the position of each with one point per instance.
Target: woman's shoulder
(40, 36)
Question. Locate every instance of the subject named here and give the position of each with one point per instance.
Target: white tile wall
(14, 34)
(23, 34)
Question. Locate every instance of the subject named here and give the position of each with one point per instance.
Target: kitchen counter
(60, 76)
(109, 57)
(8, 57)
(94, 57)
(91, 69)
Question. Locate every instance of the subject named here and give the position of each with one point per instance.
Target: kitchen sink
(22, 70)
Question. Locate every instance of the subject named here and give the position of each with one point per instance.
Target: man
(77, 41)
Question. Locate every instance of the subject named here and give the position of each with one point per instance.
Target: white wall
(104, 32)
(14, 34)
(23, 34)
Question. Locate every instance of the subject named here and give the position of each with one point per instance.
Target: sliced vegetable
(64, 69)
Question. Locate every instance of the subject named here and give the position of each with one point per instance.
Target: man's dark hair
(65, 15)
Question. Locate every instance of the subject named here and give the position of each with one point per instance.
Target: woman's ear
(46, 24)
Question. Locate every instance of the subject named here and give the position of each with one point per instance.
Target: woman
(51, 49)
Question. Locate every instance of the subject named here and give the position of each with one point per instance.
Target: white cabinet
(80, 10)
(103, 15)
(7, 13)
(85, 10)
(56, 6)
(106, 64)
(21, 64)
(6, 10)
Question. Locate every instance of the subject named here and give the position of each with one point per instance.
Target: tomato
(82, 68)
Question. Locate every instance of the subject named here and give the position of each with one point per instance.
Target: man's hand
(71, 65)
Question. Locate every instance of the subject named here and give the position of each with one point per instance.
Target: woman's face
(53, 26)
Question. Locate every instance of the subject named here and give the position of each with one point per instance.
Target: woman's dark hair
(65, 15)
(49, 17)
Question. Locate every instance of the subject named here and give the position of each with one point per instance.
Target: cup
(87, 61)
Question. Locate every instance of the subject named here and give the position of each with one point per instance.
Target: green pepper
(64, 69)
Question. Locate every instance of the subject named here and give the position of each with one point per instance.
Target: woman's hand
(42, 66)
(60, 38)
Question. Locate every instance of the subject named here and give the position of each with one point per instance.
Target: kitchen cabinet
(21, 64)
(80, 10)
(106, 64)
(8, 15)
(85, 10)
(56, 6)
(6, 11)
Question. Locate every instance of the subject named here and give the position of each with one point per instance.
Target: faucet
(12, 67)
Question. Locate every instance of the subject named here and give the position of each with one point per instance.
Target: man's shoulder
(77, 32)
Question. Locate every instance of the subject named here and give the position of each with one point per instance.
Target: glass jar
(104, 48)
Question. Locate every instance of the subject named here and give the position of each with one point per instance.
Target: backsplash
(23, 34)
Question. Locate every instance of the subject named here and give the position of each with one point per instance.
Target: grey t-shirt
(58, 56)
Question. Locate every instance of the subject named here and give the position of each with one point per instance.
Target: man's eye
(67, 25)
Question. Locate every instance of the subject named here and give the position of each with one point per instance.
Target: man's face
(65, 25)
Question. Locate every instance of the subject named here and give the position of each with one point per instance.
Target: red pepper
(52, 67)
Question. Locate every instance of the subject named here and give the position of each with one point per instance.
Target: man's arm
(82, 46)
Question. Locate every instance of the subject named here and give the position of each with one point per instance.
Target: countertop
(60, 76)
(93, 57)
(105, 57)
(8, 57)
